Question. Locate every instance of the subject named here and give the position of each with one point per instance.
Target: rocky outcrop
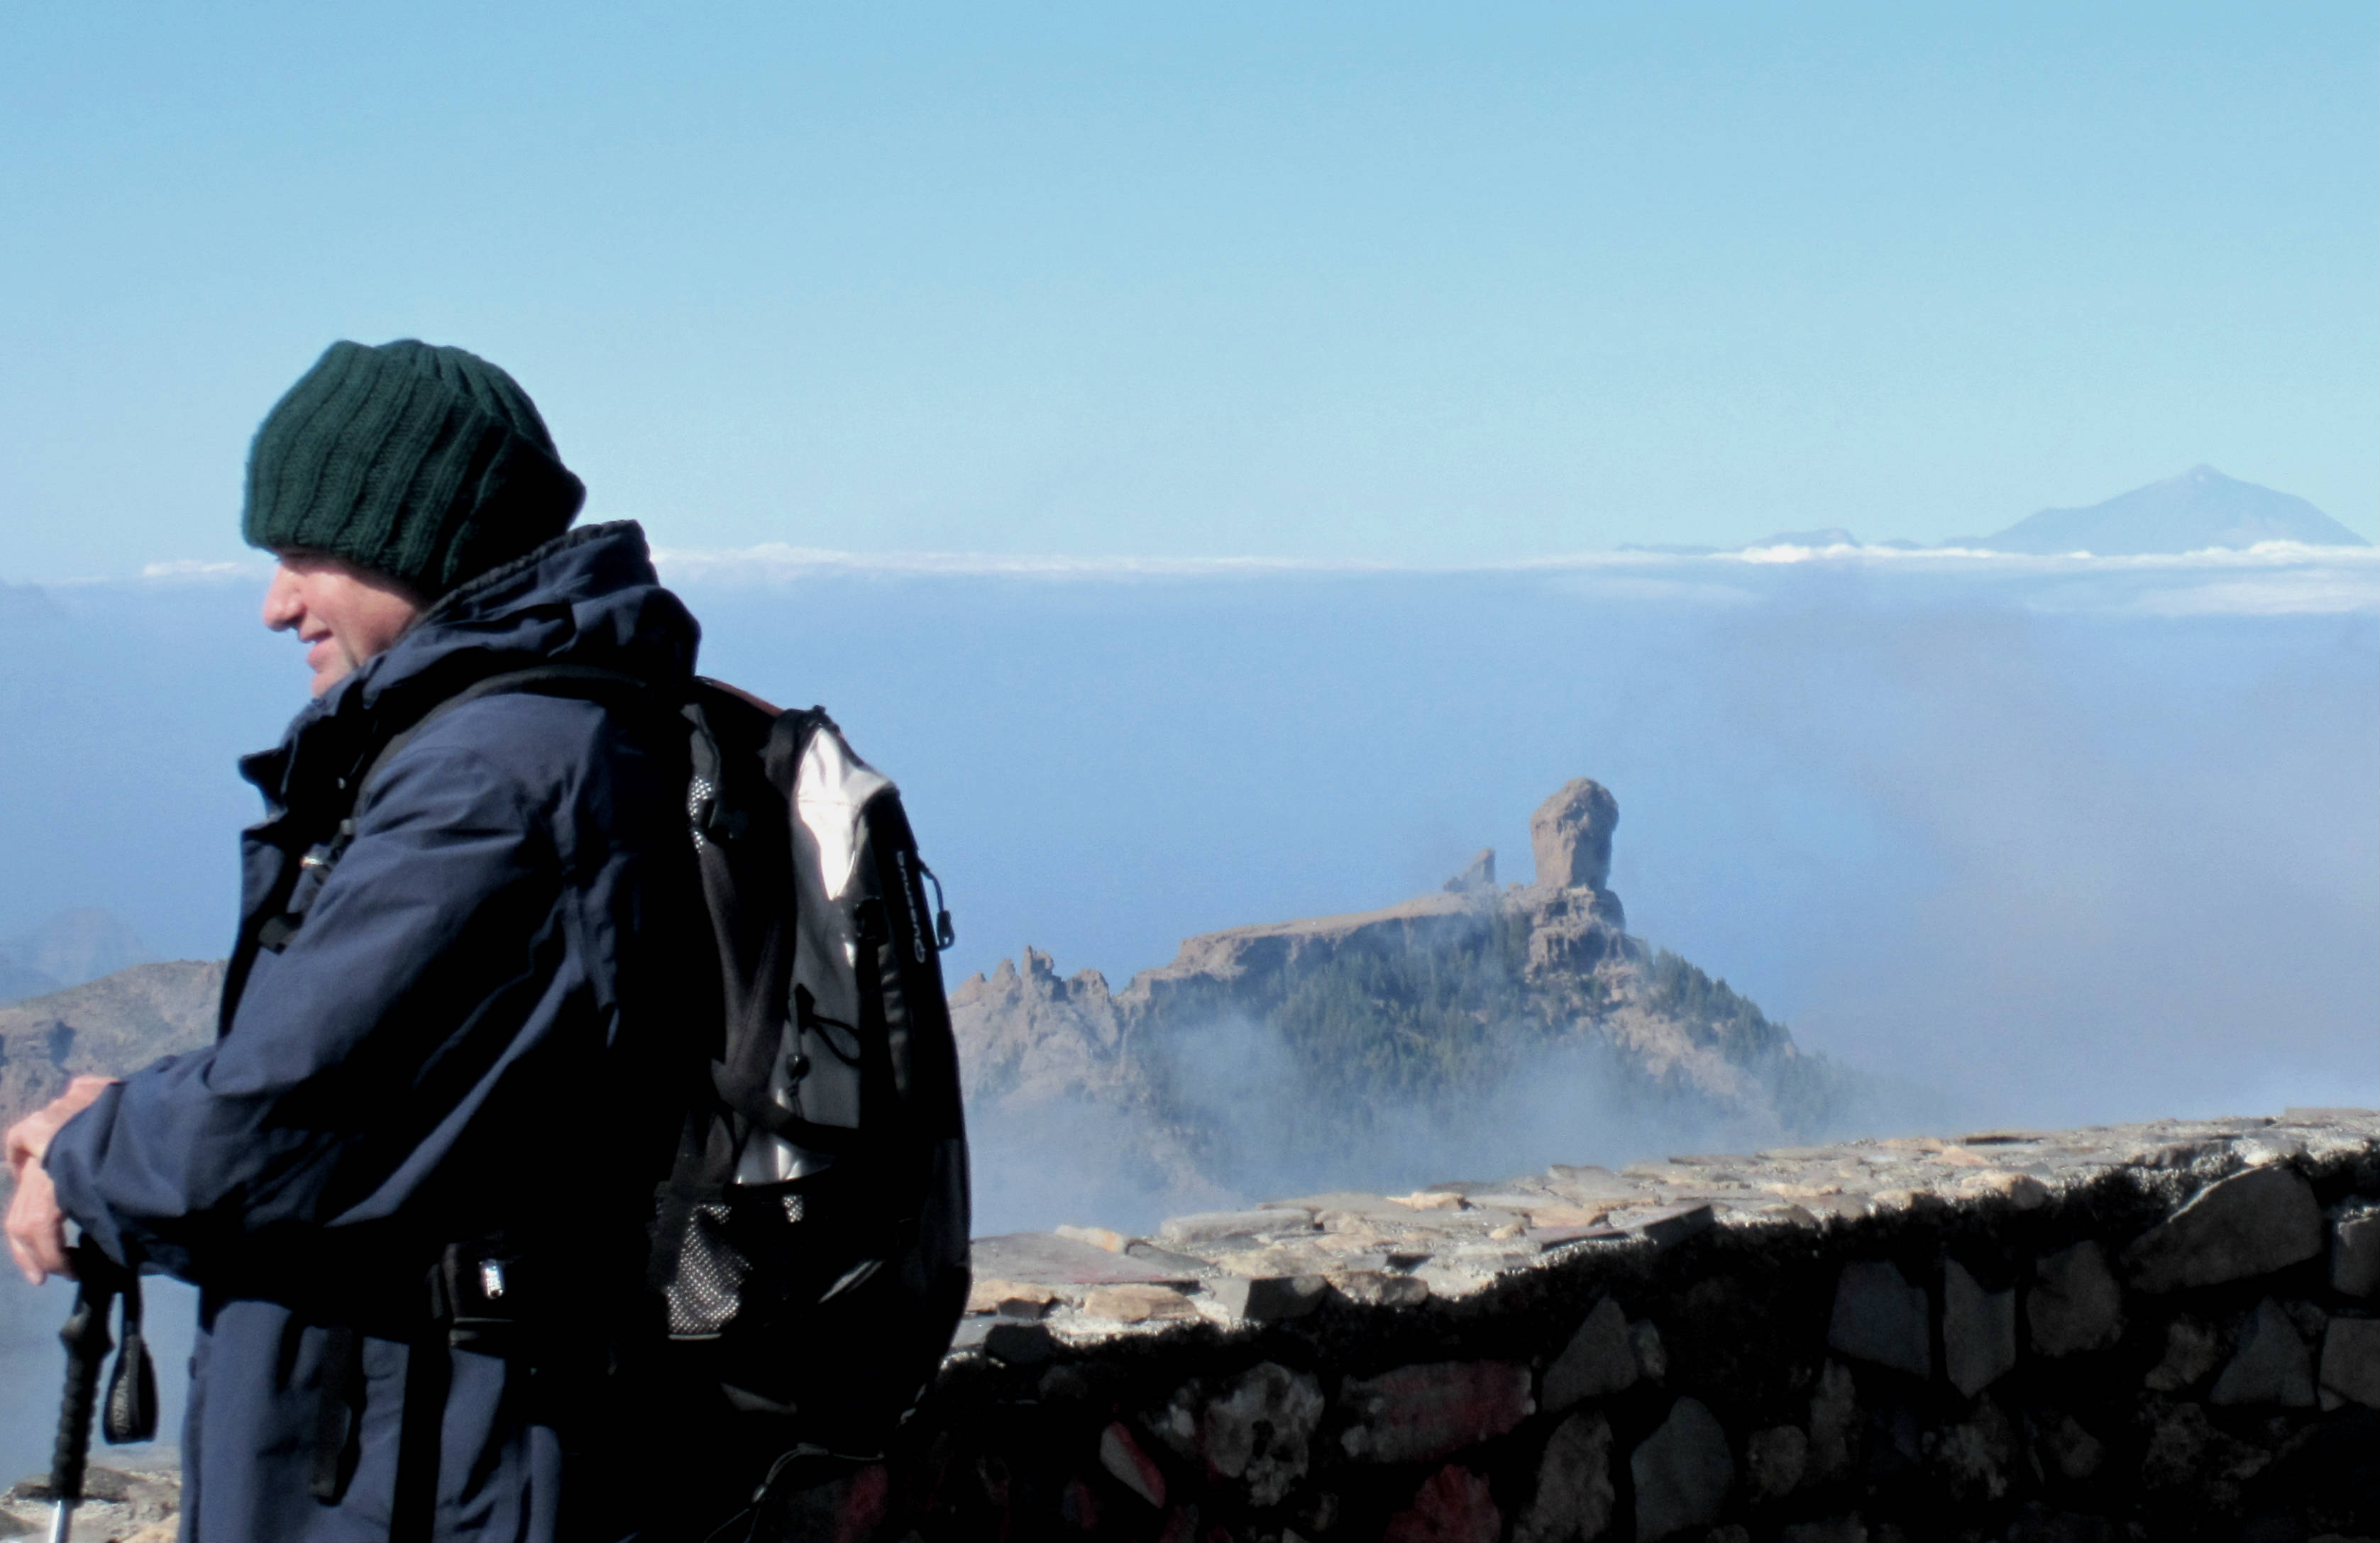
(1573, 922)
(1037, 1035)
(1034, 1041)
(1411, 1004)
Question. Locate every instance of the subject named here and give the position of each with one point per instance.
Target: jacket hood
(587, 596)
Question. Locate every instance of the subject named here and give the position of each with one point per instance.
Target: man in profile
(412, 1176)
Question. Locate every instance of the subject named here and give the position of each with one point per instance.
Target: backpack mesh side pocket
(723, 1255)
(704, 1289)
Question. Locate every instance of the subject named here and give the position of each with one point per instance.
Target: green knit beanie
(426, 463)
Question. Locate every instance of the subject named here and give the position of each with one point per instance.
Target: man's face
(342, 614)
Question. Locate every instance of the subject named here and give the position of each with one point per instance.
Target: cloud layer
(2271, 579)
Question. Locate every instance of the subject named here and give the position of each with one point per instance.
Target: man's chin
(341, 665)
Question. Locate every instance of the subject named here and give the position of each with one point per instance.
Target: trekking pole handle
(86, 1338)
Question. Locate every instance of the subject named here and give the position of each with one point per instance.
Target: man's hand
(37, 1229)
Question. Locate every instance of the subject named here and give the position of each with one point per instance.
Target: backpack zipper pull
(945, 935)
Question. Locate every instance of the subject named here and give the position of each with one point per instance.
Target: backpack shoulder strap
(274, 923)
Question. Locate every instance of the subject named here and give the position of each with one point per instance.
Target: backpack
(814, 1229)
(810, 1246)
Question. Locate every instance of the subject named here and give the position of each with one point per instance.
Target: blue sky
(1325, 282)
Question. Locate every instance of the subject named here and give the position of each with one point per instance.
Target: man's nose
(282, 606)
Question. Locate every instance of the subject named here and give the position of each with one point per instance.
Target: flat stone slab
(1210, 1226)
(1587, 1182)
(1345, 1202)
(1268, 1298)
(1664, 1225)
(1561, 1237)
(1053, 1260)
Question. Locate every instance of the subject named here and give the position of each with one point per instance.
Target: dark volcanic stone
(2075, 1304)
(2249, 1224)
(1682, 1473)
(1879, 1317)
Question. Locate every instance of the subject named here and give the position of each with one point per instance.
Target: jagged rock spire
(1478, 878)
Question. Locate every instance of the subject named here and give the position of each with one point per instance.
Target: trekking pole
(87, 1342)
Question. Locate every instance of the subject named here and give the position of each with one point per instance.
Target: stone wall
(2159, 1332)
(2150, 1331)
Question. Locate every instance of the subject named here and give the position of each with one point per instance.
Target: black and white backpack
(814, 1228)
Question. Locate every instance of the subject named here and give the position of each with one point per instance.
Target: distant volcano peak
(2197, 509)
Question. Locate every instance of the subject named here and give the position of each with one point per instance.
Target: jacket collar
(589, 596)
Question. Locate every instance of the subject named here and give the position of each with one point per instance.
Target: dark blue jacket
(462, 1043)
